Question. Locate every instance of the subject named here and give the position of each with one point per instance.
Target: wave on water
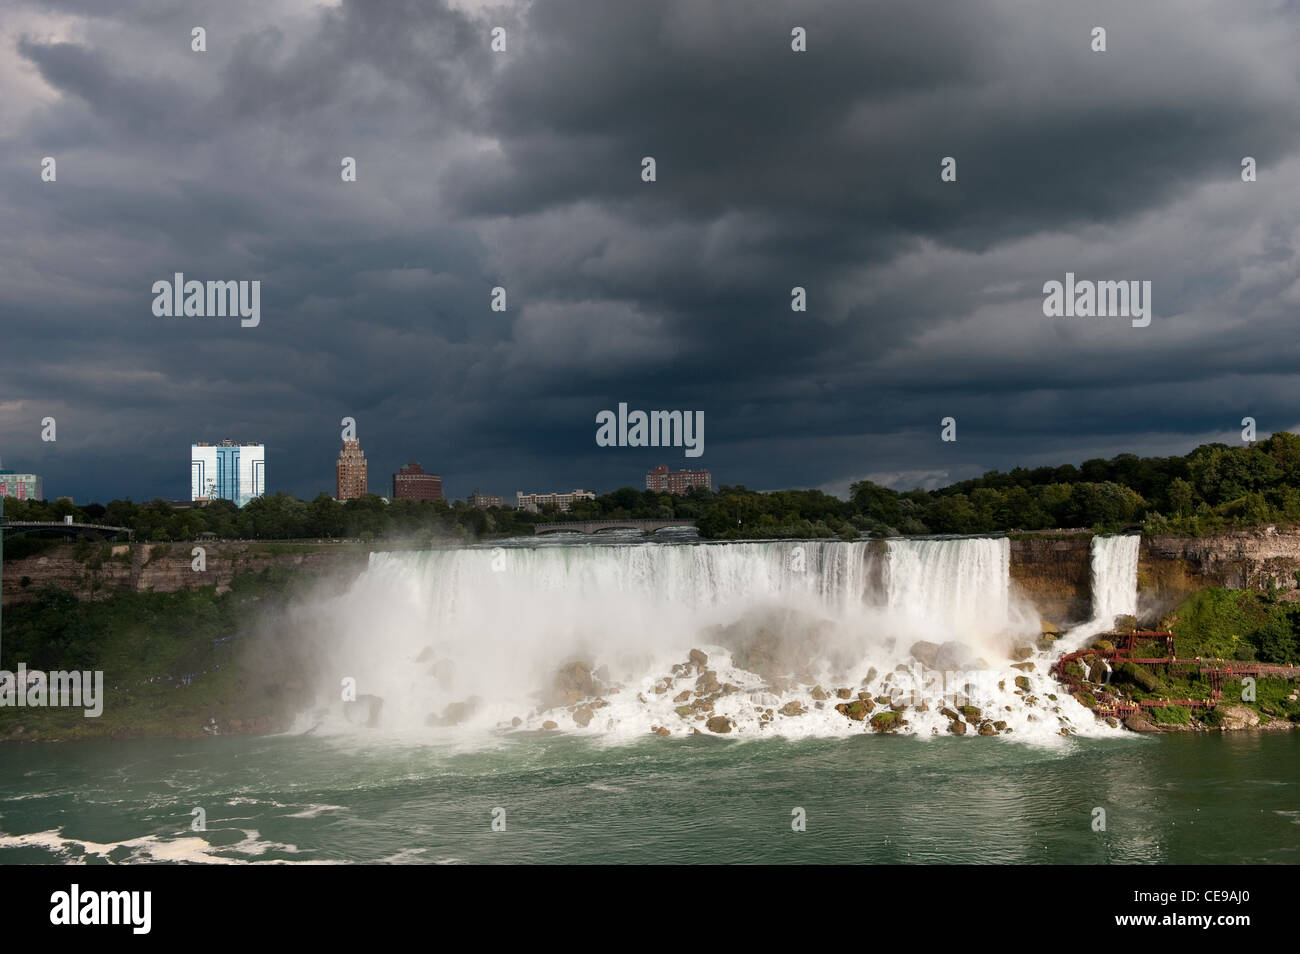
(192, 849)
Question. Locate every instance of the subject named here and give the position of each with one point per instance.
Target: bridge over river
(596, 526)
(59, 528)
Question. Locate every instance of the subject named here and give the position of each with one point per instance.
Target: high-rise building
(21, 486)
(412, 483)
(533, 503)
(351, 471)
(227, 471)
(663, 481)
(484, 501)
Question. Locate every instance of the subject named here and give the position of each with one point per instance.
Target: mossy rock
(1086, 699)
(886, 721)
(1022, 682)
(972, 713)
(1138, 675)
(857, 710)
(1104, 646)
(684, 711)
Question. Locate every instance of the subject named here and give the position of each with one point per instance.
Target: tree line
(1215, 487)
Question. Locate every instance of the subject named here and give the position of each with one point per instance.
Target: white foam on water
(151, 848)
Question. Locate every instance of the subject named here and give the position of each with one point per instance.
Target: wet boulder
(573, 683)
(707, 683)
(719, 724)
(364, 711)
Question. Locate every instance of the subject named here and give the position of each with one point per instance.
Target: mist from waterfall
(474, 637)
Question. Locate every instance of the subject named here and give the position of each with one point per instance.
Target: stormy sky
(523, 169)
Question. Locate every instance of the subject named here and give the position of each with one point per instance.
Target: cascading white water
(1114, 576)
(1114, 585)
(959, 587)
(476, 636)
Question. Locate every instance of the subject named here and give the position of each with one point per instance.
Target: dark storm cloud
(522, 169)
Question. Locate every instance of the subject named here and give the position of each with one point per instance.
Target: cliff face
(166, 568)
(1055, 574)
(1170, 568)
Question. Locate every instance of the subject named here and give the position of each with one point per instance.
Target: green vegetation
(1139, 676)
(171, 661)
(886, 721)
(1240, 625)
(1237, 624)
(1170, 715)
(1271, 698)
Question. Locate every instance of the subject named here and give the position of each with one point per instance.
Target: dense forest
(1215, 487)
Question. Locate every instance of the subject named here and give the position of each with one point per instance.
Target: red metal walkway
(1216, 669)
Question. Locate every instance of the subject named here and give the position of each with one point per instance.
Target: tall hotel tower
(227, 471)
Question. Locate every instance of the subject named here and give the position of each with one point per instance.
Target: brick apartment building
(663, 481)
(533, 503)
(412, 483)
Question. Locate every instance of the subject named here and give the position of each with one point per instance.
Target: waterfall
(959, 587)
(482, 636)
(1114, 576)
(1114, 585)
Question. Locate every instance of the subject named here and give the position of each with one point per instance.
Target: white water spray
(474, 637)
(953, 588)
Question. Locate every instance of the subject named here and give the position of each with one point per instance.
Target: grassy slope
(147, 644)
(1220, 624)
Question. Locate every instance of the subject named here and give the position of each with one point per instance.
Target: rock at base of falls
(364, 711)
